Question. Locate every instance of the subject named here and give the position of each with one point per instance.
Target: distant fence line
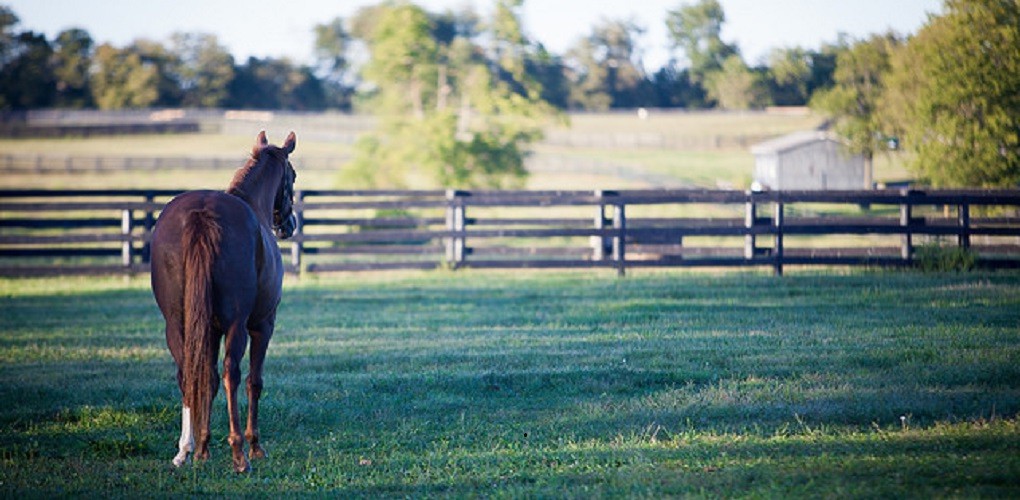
(343, 128)
(108, 231)
(53, 164)
(651, 140)
(43, 164)
(89, 130)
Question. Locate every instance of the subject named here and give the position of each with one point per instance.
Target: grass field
(631, 168)
(539, 385)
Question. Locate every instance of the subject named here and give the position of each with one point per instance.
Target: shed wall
(818, 165)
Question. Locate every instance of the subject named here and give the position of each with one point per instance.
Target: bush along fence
(46, 232)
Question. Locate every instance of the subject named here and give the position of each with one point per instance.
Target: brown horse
(217, 273)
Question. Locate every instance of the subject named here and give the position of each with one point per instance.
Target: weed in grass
(935, 257)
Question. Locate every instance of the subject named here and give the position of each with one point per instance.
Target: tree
(735, 86)
(8, 20)
(161, 63)
(202, 68)
(452, 114)
(121, 80)
(332, 42)
(550, 72)
(853, 102)
(275, 84)
(509, 47)
(696, 30)
(955, 95)
(27, 79)
(403, 60)
(790, 76)
(674, 88)
(587, 76)
(72, 58)
(26, 75)
(607, 70)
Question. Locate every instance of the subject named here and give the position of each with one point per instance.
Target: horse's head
(284, 222)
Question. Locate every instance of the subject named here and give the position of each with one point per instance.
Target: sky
(264, 28)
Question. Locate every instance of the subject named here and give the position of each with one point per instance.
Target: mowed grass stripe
(540, 384)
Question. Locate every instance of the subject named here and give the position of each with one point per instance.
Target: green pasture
(867, 384)
(167, 145)
(623, 168)
(694, 124)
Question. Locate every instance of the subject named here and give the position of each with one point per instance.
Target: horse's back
(235, 265)
(238, 225)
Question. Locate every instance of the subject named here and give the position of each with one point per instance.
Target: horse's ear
(289, 144)
(260, 142)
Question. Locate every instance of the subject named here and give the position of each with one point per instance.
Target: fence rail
(45, 232)
(73, 164)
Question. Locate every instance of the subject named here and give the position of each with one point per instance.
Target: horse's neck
(253, 185)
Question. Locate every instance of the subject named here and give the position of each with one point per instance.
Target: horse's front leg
(236, 342)
(259, 345)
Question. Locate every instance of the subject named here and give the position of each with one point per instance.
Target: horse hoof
(257, 452)
(180, 459)
(242, 467)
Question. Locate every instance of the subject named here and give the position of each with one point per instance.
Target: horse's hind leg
(175, 341)
(186, 444)
(237, 340)
(257, 353)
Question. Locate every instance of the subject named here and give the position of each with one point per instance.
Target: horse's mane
(250, 172)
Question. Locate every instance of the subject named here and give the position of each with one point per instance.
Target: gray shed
(811, 160)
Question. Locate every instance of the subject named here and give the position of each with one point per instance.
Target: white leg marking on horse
(186, 443)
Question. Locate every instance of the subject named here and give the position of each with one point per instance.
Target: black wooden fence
(46, 232)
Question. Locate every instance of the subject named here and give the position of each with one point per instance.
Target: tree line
(603, 70)
(461, 96)
(188, 70)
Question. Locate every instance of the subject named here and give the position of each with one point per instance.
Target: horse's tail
(201, 239)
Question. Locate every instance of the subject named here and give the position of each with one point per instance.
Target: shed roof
(791, 141)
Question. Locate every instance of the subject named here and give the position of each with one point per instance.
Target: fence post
(907, 244)
(777, 251)
(963, 214)
(296, 245)
(148, 223)
(598, 243)
(455, 225)
(125, 246)
(620, 240)
(750, 214)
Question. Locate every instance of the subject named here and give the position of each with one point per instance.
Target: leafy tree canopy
(955, 95)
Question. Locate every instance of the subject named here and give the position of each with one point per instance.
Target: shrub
(936, 257)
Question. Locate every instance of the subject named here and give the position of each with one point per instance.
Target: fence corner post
(750, 214)
(620, 239)
(125, 231)
(907, 243)
(598, 242)
(455, 226)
